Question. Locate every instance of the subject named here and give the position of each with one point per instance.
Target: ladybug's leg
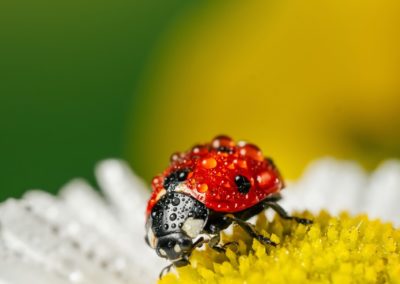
(178, 263)
(165, 270)
(283, 214)
(199, 243)
(214, 244)
(249, 229)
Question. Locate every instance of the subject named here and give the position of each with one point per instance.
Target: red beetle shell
(212, 171)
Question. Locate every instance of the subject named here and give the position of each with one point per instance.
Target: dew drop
(199, 149)
(173, 226)
(252, 151)
(209, 163)
(175, 201)
(202, 187)
(222, 141)
(242, 164)
(166, 226)
(264, 179)
(174, 157)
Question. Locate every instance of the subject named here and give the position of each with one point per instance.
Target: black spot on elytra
(243, 184)
(172, 180)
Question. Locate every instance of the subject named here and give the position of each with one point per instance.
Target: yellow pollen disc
(332, 250)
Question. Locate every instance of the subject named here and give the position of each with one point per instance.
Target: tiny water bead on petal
(333, 250)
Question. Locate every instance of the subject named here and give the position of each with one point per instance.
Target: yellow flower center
(340, 250)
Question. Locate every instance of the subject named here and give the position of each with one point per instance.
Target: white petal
(344, 186)
(81, 237)
(128, 195)
(39, 242)
(383, 198)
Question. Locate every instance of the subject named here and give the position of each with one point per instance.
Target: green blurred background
(84, 81)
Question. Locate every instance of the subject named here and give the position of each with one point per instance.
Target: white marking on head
(177, 248)
(162, 252)
(192, 227)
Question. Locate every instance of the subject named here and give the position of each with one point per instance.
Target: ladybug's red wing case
(224, 175)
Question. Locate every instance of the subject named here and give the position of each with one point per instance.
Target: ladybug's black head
(175, 221)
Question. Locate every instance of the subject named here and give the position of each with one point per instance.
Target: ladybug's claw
(303, 221)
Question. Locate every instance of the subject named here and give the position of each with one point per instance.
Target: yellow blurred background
(300, 79)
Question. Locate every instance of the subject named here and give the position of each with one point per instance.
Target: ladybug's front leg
(283, 214)
(249, 229)
(178, 263)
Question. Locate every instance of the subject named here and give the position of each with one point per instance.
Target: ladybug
(204, 191)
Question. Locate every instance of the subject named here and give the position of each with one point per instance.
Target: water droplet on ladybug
(242, 164)
(202, 187)
(209, 163)
(265, 179)
(174, 157)
(166, 226)
(199, 149)
(227, 185)
(223, 142)
(173, 226)
(175, 201)
(252, 151)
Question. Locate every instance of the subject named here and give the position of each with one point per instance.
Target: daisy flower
(83, 236)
